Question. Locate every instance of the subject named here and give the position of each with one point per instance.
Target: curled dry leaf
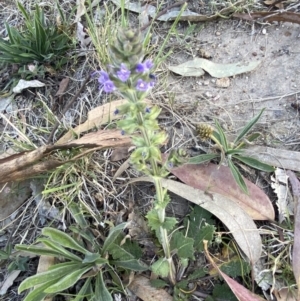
(195, 66)
(9, 281)
(25, 84)
(63, 85)
(239, 291)
(296, 249)
(212, 178)
(142, 288)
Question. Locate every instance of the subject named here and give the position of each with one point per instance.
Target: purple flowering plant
(132, 77)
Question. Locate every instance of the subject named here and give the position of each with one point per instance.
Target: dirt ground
(274, 85)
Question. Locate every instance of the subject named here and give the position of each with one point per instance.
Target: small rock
(264, 31)
(208, 94)
(218, 33)
(223, 82)
(206, 83)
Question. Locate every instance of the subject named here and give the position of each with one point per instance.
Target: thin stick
(66, 108)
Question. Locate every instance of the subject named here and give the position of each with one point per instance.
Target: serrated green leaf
(202, 158)
(128, 250)
(154, 222)
(161, 267)
(182, 284)
(130, 264)
(254, 163)
(235, 267)
(182, 245)
(196, 220)
(169, 223)
(63, 239)
(247, 127)
(112, 236)
(237, 177)
(63, 252)
(47, 276)
(101, 292)
(223, 139)
(67, 281)
(206, 233)
(197, 274)
(158, 283)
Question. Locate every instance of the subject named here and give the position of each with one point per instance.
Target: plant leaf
(212, 178)
(222, 136)
(82, 294)
(247, 127)
(237, 176)
(202, 158)
(130, 264)
(68, 280)
(63, 239)
(182, 245)
(234, 218)
(112, 236)
(101, 292)
(53, 274)
(161, 267)
(255, 163)
(38, 293)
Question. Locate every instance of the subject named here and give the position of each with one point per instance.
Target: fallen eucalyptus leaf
(218, 179)
(239, 290)
(195, 66)
(24, 84)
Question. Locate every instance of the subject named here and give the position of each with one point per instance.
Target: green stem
(160, 211)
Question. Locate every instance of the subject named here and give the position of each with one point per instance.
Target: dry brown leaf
(239, 291)
(119, 153)
(28, 164)
(213, 178)
(276, 157)
(271, 16)
(63, 86)
(296, 249)
(142, 288)
(121, 169)
(96, 117)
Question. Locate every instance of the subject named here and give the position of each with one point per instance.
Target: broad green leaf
(223, 292)
(63, 252)
(78, 215)
(63, 239)
(250, 138)
(197, 274)
(44, 251)
(237, 176)
(155, 224)
(202, 158)
(248, 127)
(255, 163)
(234, 151)
(68, 280)
(38, 293)
(161, 267)
(130, 264)
(235, 267)
(158, 283)
(101, 292)
(50, 275)
(206, 233)
(112, 236)
(182, 245)
(223, 139)
(128, 250)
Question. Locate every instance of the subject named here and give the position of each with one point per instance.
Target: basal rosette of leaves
(37, 40)
(231, 152)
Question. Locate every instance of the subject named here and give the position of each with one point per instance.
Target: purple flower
(123, 74)
(122, 132)
(108, 86)
(104, 77)
(148, 110)
(116, 112)
(144, 67)
(142, 85)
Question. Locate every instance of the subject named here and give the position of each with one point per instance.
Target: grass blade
(248, 127)
(202, 158)
(223, 139)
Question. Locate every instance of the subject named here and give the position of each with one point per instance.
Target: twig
(66, 108)
(164, 11)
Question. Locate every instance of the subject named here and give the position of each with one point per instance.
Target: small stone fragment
(223, 82)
